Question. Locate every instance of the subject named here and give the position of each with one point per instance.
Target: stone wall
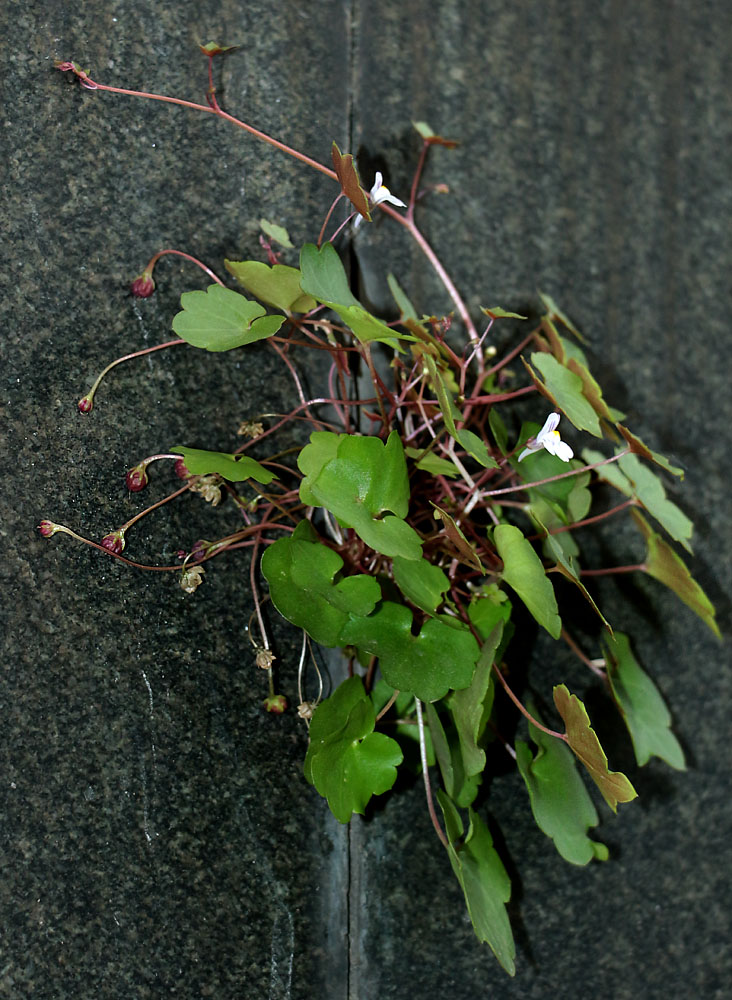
(157, 836)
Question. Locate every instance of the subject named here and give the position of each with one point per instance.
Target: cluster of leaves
(418, 528)
(403, 557)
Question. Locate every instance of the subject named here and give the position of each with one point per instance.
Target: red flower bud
(143, 286)
(180, 470)
(85, 404)
(136, 478)
(276, 704)
(114, 541)
(48, 528)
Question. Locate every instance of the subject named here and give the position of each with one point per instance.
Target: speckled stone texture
(156, 835)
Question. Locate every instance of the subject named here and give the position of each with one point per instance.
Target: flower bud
(200, 550)
(276, 704)
(143, 286)
(305, 710)
(115, 541)
(48, 528)
(85, 404)
(136, 478)
(180, 470)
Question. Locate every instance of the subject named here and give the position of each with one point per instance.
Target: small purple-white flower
(548, 438)
(379, 193)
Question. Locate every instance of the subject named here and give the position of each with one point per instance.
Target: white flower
(378, 194)
(549, 439)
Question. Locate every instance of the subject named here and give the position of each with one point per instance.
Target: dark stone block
(158, 837)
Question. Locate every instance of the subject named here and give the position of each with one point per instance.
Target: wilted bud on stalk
(48, 528)
(85, 404)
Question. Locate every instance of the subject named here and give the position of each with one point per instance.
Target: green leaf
(498, 427)
(636, 480)
(554, 549)
(640, 702)
(220, 319)
(471, 707)
(664, 565)
(434, 140)
(323, 275)
(400, 297)
(346, 760)
(591, 389)
(365, 479)
(349, 181)
(554, 311)
(429, 462)
(639, 448)
(483, 879)
(278, 286)
(564, 389)
(561, 804)
(524, 573)
(313, 458)
(648, 488)
(306, 587)
(461, 787)
(583, 740)
(489, 607)
(368, 328)
(495, 312)
(421, 583)
(440, 657)
(276, 233)
(235, 468)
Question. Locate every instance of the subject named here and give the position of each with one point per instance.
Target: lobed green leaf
(235, 468)
(278, 286)
(306, 587)
(564, 389)
(641, 705)
(360, 479)
(347, 761)
(421, 583)
(440, 657)
(523, 572)
(221, 319)
(560, 802)
(483, 879)
(664, 565)
(583, 740)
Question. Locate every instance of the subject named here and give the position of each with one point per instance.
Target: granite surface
(156, 835)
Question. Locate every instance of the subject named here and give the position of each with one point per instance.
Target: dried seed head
(265, 658)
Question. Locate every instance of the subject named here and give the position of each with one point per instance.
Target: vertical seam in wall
(352, 889)
(353, 936)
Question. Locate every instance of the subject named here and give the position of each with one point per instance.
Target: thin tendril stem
(426, 775)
